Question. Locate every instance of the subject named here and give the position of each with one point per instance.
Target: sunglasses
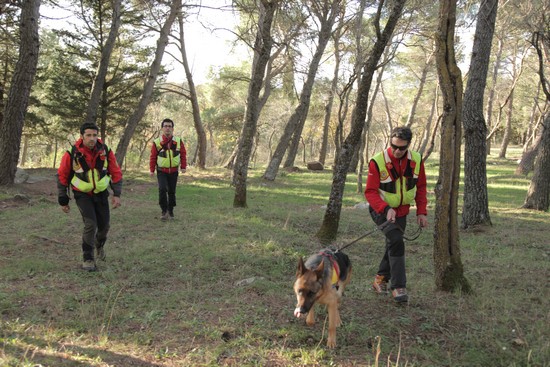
(398, 147)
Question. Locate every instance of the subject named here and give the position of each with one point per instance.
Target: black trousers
(167, 190)
(96, 217)
(392, 265)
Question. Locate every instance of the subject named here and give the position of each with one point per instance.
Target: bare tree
(106, 51)
(449, 272)
(326, 12)
(191, 94)
(11, 126)
(476, 201)
(262, 51)
(329, 98)
(151, 78)
(331, 220)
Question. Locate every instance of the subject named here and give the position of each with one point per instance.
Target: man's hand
(422, 220)
(115, 202)
(390, 215)
(66, 208)
(151, 174)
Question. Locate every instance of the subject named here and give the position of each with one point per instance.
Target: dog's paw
(331, 343)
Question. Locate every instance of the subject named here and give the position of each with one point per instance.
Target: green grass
(214, 287)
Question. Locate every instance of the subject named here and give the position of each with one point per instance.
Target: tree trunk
(363, 148)
(262, 50)
(331, 219)
(199, 128)
(538, 195)
(428, 128)
(136, 117)
(295, 125)
(491, 97)
(527, 162)
(449, 272)
(11, 127)
(412, 112)
(476, 202)
(99, 80)
(508, 129)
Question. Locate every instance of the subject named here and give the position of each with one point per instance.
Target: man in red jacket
(89, 168)
(396, 178)
(168, 157)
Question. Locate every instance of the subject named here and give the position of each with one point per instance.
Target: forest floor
(214, 286)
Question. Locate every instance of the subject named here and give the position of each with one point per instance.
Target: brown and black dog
(322, 279)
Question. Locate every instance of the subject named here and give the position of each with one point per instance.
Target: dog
(322, 279)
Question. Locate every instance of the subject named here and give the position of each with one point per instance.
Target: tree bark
(331, 219)
(491, 97)
(11, 126)
(262, 50)
(476, 203)
(294, 127)
(449, 272)
(136, 117)
(538, 195)
(527, 162)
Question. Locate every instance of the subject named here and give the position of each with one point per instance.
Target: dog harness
(335, 267)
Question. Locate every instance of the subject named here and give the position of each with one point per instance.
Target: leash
(381, 227)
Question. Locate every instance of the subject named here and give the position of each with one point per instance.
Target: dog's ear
(301, 268)
(319, 270)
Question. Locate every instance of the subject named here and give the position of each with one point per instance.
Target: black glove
(63, 200)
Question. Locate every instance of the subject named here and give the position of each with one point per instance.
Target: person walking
(396, 178)
(89, 168)
(168, 157)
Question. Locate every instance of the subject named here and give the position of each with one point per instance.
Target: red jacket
(154, 154)
(65, 168)
(373, 184)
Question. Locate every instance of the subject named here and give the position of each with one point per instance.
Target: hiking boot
(164, 216)
(89, 265)
(380, 285)
(100, 253)
(171, 214)
(400, 295)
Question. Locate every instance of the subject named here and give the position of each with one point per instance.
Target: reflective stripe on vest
(94, 179)
(398, 190)
(168, 158)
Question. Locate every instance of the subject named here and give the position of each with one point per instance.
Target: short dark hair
(166, 120)
(402, 132)
(88, 125)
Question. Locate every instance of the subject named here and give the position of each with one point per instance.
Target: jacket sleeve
(153, 158)
(63, 175)
(183, 156)
(115, 173)
(371, 191)
(421, 192)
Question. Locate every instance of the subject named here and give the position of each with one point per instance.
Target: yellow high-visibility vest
(168, 158)
(394, 190)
